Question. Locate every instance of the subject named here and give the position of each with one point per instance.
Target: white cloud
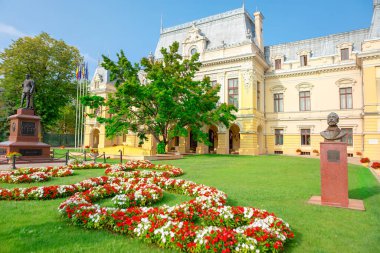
(11, 31)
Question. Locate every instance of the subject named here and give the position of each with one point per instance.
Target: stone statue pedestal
(334, 178)
(23, 138)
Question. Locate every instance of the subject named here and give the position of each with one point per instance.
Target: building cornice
(310, 71)
(239, 58)
(369, 55)
(228, 60)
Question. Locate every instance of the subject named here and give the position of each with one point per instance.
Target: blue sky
(104, 27)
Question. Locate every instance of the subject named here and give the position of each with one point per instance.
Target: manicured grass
(278, 184)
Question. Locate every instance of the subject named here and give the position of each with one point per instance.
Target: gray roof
(231, 28)
(321, 46)
(374, 31)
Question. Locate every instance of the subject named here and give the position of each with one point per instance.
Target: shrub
(376, 165)
(298, 150)
(87, 146)
(12, 154)
(161, 148)
(315, 151)
(359, 153)
(365, 160)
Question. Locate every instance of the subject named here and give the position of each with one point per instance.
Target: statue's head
(332, 119)
(27, 76)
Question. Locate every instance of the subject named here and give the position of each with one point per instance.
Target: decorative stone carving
(345, 82)
(248, 78)
(194, 35)
(304, 86)
(278, 89)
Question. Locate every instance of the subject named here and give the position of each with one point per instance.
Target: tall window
(348, 137)
(233, 92)
(279, 102)
(305, 101)
(279, 136)
(277, 64)
(303, 60)
(258, 95)
(344, 54)
(345, 98)
(305, 137)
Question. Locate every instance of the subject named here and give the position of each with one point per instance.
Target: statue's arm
(33, 86)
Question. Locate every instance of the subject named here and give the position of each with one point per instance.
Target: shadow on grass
(292, 245)
(364, 192)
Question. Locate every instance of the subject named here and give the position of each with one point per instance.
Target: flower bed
(87, 166)
(222, 229)
(203, 224)
(29, 175)
(8, 177)
(138, 169)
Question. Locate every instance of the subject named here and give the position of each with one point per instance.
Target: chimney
(259, 29)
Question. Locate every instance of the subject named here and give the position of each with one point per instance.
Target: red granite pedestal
(23, 138)
(334, 178)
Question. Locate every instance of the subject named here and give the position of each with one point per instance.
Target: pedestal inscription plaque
(28, 128)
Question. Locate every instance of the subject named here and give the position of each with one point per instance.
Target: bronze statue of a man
(28, 88)
(333, 133)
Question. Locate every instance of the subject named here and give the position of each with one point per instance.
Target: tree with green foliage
(51, 63)
(168, 104)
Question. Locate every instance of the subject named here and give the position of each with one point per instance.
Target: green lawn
(278, 184)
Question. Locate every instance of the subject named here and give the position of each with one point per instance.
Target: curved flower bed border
(28, 175)
(222, 229)
(140, 194)
(131, 169)
(219, 228)
(60, 191)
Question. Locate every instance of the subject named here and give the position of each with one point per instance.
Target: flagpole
(80, 111)
(76, 116)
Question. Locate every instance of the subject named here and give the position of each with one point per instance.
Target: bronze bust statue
(333, 133)
(28, 88)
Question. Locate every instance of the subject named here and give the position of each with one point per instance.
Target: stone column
(223, 143)
(202, 148)
(248, 144)
(182, 144)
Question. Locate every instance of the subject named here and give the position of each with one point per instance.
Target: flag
(80, 72)
(83, 71)
(76, 72)
(86, 75)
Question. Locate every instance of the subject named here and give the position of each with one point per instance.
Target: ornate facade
(283, 92)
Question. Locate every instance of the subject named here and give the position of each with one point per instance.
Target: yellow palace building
(283, 92)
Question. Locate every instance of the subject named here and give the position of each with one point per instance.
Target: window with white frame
(304, 100)
(278, 102)
(279, 136)
(344, 54)
(345, 95)
(233, 92)
(348, 137)
(305, 137)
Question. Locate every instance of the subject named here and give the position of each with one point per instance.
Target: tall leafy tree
(51, 63)
(169, 103)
